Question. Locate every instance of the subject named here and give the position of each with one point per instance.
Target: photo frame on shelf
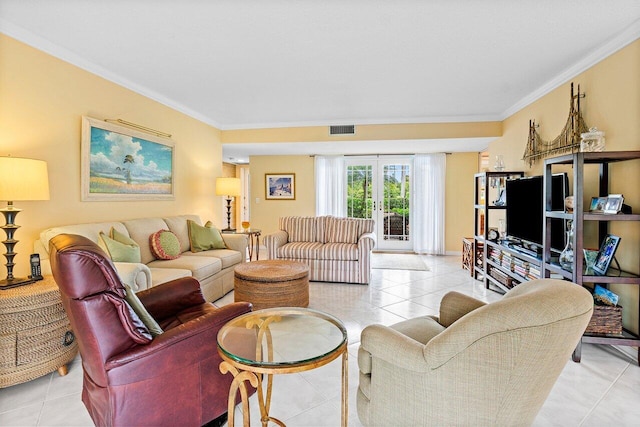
(280, 186)
(614, 204)
(119, 163)
(597, 204)
(606, 254)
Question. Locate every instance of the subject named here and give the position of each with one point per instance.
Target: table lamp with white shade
(229, 187)
(20, 179)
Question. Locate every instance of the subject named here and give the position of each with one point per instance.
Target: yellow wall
(265, 213)
(42, 100)
(612, 103)
(459, 199)
(366, 133)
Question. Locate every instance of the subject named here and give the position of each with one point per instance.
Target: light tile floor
(602, 390)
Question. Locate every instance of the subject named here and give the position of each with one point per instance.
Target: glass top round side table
(287, 340)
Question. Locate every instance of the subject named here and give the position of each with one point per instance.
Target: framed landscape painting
(280, 186)
(119, 163)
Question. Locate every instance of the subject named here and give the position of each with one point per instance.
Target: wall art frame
(123, 164)
(280, 186)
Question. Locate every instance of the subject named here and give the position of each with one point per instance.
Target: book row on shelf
(516, 265)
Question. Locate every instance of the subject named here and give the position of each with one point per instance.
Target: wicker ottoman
(272, 283)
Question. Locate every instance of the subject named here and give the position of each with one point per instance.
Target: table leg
(238, 384)
(258, 247)
(345, 388)
(250, 247)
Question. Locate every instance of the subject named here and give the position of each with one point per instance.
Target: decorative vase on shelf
(566, 256)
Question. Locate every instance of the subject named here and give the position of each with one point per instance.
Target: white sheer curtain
(427, 206)
(330, 186)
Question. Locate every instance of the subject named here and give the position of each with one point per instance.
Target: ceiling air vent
(342, 130)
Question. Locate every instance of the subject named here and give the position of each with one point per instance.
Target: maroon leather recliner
(130, 378)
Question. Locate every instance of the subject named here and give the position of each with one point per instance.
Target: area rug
(388, 261)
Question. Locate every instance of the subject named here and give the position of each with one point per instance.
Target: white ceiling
(269, 63)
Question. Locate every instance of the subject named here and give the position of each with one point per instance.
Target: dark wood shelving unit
(485, 209)
(581, 215)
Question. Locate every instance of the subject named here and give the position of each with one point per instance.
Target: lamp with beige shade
(20, 179)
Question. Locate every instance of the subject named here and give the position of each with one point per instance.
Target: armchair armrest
(393, 347)
(236, 242)
(189, 343)
(273, 241)
(176, 295)
(454, 305)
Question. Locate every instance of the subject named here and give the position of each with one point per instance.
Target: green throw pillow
(204, 238)
(121, 251)
(142, 312)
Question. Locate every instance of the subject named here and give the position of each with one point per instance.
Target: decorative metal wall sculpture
(567, 141)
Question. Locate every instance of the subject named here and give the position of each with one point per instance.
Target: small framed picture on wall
(280, 186)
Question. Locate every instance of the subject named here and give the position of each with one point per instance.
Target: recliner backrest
(94, 299)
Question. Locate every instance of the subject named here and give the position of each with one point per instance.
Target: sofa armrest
(367, 241)
(168, 298)
(134, 274)
(454, 305)
(393, 347)
(236, 242)
(273, 241)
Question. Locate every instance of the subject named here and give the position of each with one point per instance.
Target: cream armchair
(476, 364)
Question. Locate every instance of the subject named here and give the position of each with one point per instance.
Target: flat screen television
(525, 209)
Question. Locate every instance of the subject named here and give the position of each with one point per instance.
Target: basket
(606, 319)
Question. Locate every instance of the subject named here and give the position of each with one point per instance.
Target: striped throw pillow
(342, 230)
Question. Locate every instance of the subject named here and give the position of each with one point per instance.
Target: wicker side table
(272, 283)
(35, 335)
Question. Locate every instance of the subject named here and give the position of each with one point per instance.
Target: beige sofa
(212, 268)
(335, 249)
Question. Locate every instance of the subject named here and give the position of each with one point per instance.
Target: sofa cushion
(338, 251)
(364, 225)
(299, 228)
(201, 267)
(164, 275)
(322, 223)
(140, 230)
(120, 248)
(178, 224)
(204, 238)
(91, 231)
(164, 245)
(342, 230)
(228, 257)
(299, 250)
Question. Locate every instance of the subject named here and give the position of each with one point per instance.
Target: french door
(378, 188)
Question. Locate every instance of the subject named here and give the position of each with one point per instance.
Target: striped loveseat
(335, 249)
